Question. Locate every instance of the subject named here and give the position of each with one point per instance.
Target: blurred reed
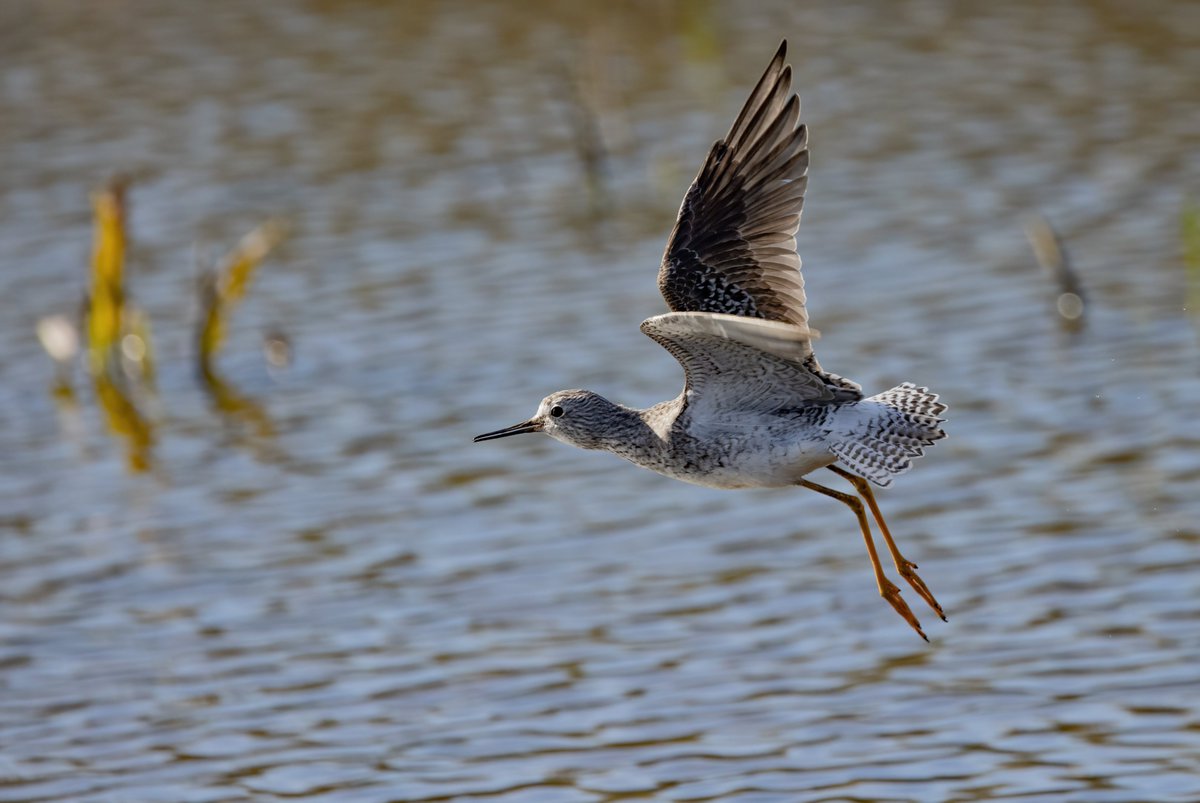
(589, 147)
(120, 353)
(221, 289)
(1190, 234)
(1051, 254)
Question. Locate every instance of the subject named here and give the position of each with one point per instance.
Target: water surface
(359, 604)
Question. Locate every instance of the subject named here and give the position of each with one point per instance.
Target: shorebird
(757, 410)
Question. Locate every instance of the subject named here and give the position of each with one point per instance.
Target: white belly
(753, 465)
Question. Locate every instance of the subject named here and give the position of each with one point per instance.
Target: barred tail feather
(879, 437)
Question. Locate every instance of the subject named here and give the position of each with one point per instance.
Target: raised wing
(733, 249)
(733, 363)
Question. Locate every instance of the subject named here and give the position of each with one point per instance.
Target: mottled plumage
(733, 249)
(756, 410)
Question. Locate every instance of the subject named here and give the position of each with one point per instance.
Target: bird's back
(877, 437)
(747, 449)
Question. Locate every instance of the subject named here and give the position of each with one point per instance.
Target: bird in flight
(757, 410)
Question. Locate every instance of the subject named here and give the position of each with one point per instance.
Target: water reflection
(125, 420)
(238, 408)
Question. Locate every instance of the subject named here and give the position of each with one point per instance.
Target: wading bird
(757, 410)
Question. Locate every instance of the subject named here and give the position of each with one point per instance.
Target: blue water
(364, 606)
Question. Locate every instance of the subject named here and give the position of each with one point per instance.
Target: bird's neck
(630, 434)
(642, 436)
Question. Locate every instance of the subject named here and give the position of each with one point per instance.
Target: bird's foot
(889, 591)
(908, 570)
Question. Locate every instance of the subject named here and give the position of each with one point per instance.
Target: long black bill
(515, 429)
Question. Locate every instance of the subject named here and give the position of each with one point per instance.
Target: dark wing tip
(733, 248)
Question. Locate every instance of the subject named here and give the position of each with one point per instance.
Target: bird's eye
(556, 411)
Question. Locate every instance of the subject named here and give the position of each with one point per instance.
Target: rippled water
(364, 606)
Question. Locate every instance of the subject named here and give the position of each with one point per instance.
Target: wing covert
(733, 363)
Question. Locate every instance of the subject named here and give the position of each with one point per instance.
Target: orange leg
(907, 569)
(887, 589)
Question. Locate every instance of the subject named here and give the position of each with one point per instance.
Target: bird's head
(578, 417)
